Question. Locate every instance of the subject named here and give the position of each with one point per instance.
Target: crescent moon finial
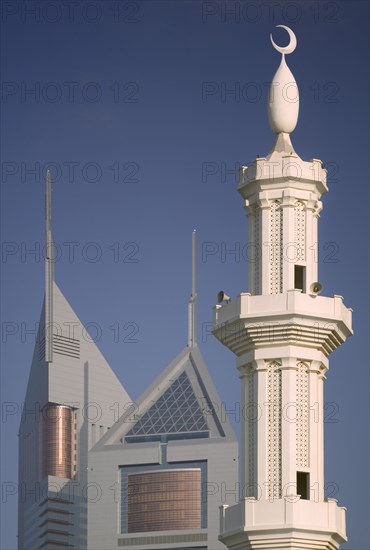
(283, 103)
(292, 44)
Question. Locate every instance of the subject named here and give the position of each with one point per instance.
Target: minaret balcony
(285, 523)
(294, 318)
(283, 171)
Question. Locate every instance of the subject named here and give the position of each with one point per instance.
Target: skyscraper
(70, 384)
(168, 464)
(282, 333)
(88, 479)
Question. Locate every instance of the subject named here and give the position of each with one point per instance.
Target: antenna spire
(49, 274)
(192, 308)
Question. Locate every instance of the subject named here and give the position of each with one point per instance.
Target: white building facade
(282, 332)
(166, 467)
(169, 462)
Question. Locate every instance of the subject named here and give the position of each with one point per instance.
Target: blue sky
(144, 110)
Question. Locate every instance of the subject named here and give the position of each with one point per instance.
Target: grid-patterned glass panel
(166, 500)
(176, 411)
(127, 471)
(57, 441)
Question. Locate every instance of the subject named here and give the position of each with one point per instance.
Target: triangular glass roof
(176, 411)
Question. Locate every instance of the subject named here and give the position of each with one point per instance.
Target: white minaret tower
(282, 333)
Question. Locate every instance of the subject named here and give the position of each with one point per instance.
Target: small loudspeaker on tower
(222, 297)
(316, 288)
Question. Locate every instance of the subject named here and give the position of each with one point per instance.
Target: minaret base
(288, 523)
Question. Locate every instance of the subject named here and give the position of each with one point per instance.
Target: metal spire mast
(192, 308)
(49, 274)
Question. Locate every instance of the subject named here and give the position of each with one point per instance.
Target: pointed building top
(283, 105)
(182, 403)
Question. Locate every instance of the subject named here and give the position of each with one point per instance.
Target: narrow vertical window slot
(299, 277)
(303, 485)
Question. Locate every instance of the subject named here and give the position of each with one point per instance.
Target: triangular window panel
(176, 411)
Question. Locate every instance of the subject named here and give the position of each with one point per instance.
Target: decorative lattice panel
(302, 420)
(257, 252)
(300, 230)
(274, 412)
(252, 420)
(276, 248)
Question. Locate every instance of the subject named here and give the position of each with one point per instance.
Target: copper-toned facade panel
(57, 441)
(164, 500)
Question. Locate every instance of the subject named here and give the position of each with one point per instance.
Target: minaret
(282, 333)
